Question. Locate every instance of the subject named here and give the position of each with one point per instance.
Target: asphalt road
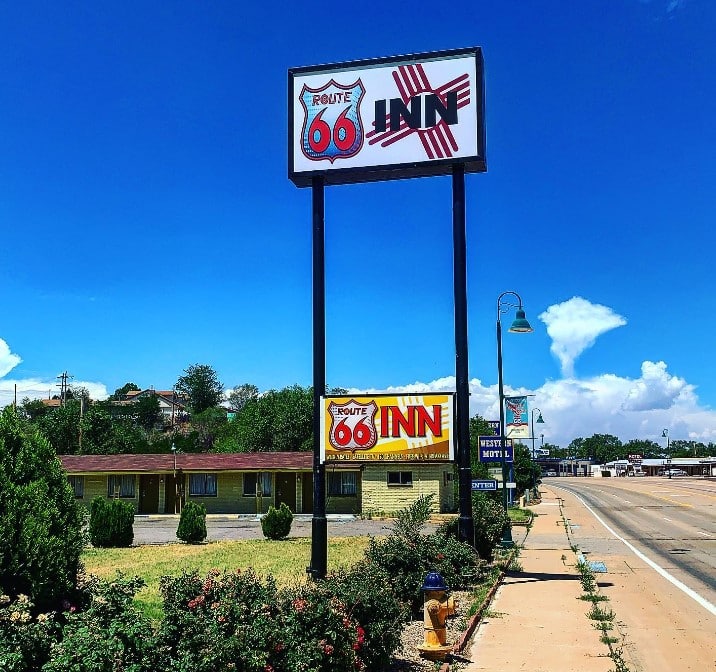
(161, 529)
(672, 521)
(657, 540)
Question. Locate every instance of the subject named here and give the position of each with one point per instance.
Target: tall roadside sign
(390, 118)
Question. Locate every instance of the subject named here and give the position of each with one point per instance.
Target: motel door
(286, 490)
(149, 493)
(307, 493)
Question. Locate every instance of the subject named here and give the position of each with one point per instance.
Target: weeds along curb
(602, 617)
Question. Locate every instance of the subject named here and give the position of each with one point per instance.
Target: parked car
(673, 472)
(550, 472)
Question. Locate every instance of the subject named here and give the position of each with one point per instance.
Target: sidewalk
(536, 621)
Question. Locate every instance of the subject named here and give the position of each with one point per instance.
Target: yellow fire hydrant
(437, 606)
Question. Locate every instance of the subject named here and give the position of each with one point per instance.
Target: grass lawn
(285, 560)
(518, 515)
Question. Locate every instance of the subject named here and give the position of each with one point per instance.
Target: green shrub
(276, 524)
(490, 519)
(407, 556)
(379, 613)
(239, 621)
(26, 638)
(41, 536)
(223, 619)
(109, 634)
(111, 523)
(192, 523)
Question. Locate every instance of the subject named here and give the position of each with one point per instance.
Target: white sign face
(383, 119)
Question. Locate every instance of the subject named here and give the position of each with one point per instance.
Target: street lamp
(519, 326)
(665, 434)
(539, 421)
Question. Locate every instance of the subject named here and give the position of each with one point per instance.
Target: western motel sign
(388, 428)
(387, 118)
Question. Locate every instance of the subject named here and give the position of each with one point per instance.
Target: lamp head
(521, 325)
(665, 433)
(540, 420)
(174, 448)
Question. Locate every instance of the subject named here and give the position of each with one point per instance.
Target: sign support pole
(319, 525)
(466, 528)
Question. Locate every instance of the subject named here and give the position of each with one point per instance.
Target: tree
(241, 394)
(61, 427)
(206, 426)
(526, 471)
(41, 536)
(121, 392)
(34, 408)
(104, 435)
(275, 421)
(201, 386)
(643, 447)
(478, 427)
(147, 411)
(292, 426)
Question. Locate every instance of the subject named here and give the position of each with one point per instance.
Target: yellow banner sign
(388, 428)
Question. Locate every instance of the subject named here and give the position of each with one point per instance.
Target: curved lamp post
(665, 434)
(519, 326)
(539, 421)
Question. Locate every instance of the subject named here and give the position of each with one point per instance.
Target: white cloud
(656, 389)
(8, 360)
(574, 325)
(607, 404)
(34, 388)
(38, 388)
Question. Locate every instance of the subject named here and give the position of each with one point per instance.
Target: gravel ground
(408, 659)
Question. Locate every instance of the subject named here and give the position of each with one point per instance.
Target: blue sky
(149, 224)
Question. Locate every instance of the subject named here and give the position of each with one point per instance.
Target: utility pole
(63, 386)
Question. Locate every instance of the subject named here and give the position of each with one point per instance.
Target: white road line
(704, 533)
(660, 570)
(664, 517)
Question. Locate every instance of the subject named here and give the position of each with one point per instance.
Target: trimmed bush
(41, 536)
(276, 524)
(111, 523)
(192, 523)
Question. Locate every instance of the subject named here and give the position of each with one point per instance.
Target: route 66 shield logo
(332, 125)
(353, 425)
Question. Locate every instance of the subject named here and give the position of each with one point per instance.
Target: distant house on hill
(171, 404)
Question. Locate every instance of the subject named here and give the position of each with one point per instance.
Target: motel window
(404, 478)
(448, 477)
(202, 485)
(78, 485)
(342, 483)
(121, 486)
(258, 481)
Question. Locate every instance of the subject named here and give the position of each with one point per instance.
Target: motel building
(248, 483)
